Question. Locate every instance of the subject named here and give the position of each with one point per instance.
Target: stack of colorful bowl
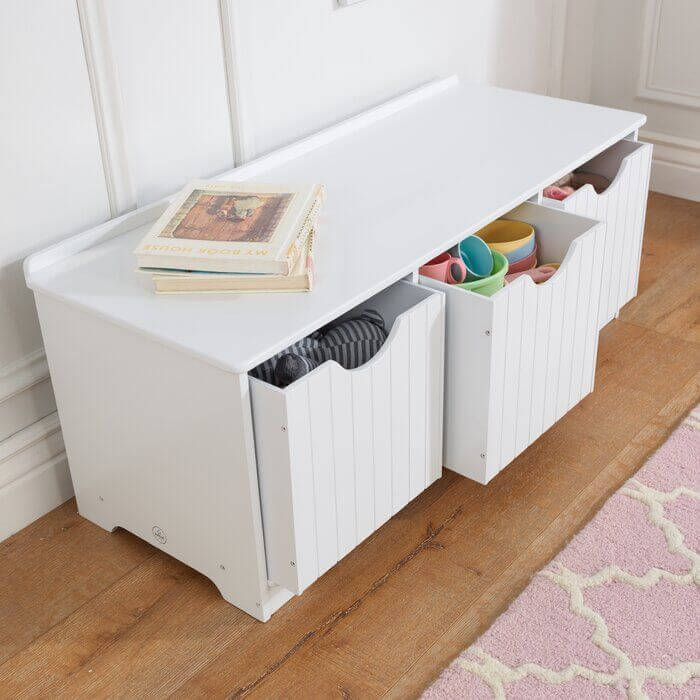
(497, 254)
(517, 242)
(486, 268)
(472, 265)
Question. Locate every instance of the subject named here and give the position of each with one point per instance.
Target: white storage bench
(340, 451)
(263, 489)
(519, 360)
(622, 207)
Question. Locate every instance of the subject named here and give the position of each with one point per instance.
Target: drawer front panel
(518, 361)
(339, 452)
(622, 207)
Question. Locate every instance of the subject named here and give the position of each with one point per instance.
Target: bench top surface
(404, 182)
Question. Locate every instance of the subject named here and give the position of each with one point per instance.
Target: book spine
(306, 227)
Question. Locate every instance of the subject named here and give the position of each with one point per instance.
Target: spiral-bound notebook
(232, 227)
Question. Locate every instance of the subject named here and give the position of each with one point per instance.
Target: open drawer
(340, 451)
(622, 207)
(519, 360)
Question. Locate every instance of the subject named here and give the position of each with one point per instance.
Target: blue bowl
(477, 258)
(522, 252)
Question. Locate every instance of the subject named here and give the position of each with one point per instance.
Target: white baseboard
(25, 408)
(676, 180)
(675, 168)
(34, 475)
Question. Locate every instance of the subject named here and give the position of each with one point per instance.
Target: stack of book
(233, 237)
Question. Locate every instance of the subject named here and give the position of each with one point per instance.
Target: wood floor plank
(52, 567)
(86, 634)
(329, 601)
(666, 303)
(171, 641)
(86, 613)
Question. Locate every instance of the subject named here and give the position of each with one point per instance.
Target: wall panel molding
(34, 475)
(23, 374)
(557, 47)
(242, 151)
(647, 86)
(106, 96)
(673, 149)
(26, 395)
(29, 448)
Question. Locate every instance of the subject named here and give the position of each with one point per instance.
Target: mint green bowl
(491, 284)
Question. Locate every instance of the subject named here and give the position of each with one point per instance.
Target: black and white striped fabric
(350, 343)
(353, 342)
(310, 348)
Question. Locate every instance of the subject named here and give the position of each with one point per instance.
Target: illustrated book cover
(232, 227)
(300, 278)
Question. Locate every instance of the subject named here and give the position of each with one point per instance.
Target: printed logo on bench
(159, 534)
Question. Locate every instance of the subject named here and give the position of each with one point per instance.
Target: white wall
(304, 65)
(643, 55)
(106, 105)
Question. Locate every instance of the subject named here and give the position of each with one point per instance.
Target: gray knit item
(350, 343)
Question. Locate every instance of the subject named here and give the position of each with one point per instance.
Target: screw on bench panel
(292, 563)
(487, 332)
(284, 428)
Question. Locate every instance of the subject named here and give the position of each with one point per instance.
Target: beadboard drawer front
(339, 452)
(518, 361)
(622, 207)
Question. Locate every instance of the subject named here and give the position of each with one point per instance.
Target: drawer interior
(610, 164)
(556, 234)
(340, 451)
(622, 208)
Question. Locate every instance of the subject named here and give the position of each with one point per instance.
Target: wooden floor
(86, 613)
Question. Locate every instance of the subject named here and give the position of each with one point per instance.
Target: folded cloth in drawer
(536, 274)
(350, 343)
(568, 184)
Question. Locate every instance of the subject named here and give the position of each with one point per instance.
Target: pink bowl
(525, 264)
(445, 268)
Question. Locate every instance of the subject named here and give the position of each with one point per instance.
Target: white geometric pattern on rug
(628, 677)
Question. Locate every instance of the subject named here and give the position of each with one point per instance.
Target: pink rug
(617, 613)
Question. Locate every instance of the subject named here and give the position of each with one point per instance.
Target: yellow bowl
(506, 236)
